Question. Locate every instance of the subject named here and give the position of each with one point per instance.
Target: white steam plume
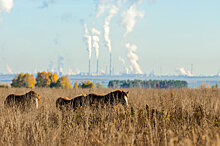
(101, 6)
(129, 17)
(95, 31)
(100, 9)
(182, 71)
(95, 40)
(135, 67)
(9, 69)
(6, 6)
(88, 40)
(113, 11)
(123, 62)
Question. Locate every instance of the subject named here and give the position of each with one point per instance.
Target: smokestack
(110, 65)
(97, 71)
(192, 69)
(89, 66)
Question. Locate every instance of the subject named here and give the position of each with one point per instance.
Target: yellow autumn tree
(43, 79)
(63, 82)
(53, 78)
(76, 85)
(47, 80)
(87, 84)
(23, 80)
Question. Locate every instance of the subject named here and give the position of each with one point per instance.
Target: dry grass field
(174, 117)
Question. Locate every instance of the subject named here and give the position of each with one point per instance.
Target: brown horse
(113, 98)
(23, 101)
(66, 103)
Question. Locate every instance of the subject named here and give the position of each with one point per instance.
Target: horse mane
(117, 90)
(84, 95)
(65, 98)
(96, 94)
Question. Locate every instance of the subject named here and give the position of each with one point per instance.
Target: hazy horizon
(142, 35)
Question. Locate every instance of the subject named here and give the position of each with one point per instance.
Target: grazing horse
(65, 102)
(23, 101)
(113, 98)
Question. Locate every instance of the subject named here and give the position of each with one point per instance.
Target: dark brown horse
(27, 100)
(66, 103)
(113, 98)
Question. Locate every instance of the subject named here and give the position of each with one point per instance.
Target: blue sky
(173, 34)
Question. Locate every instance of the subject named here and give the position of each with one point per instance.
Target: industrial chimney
(89, 66)
(97, 71)
(110, 66)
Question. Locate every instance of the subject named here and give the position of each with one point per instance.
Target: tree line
(51, 80)
(48, 80)
(154, 84)
(43, 80)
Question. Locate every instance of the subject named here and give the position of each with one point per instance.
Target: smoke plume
(100, 9)
(6, 6)
(95, 31)
(101, 6)
(123, 62)
(9, 69)
(182, 71)
(88, 41)
(60, 63)
(129, 17)
(95, 40)
(135, 67)
(113, 11)
(51, 67)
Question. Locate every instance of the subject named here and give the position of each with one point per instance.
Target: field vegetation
(171, 117)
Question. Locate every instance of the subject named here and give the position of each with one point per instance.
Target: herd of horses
(31, 99)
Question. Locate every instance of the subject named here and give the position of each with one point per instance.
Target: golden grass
(180, 117)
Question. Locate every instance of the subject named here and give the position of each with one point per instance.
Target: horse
(113, 98)
(23, 101)
(66, 103)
